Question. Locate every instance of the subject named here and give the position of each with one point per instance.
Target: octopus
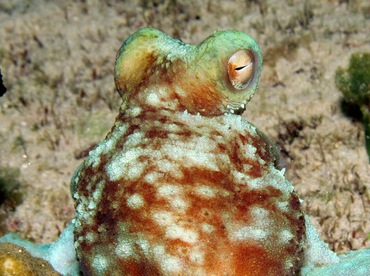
(182, 184)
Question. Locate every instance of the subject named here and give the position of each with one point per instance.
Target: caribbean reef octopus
(182, 184)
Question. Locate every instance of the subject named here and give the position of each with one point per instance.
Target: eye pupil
(241, 69)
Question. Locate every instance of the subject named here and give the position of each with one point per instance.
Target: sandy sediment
(57, 63)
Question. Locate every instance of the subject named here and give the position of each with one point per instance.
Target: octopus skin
(182, 184)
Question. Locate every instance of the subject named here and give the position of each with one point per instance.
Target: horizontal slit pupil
(240, 68)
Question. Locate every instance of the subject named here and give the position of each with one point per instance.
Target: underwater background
(57, 60)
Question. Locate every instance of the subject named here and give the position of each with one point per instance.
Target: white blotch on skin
(96, 196)
(166, 166)
(197, 256)
(171, 264)
(153, 177)
(102, 148)
(92, 205)
(98, 191)
(261, 218)
(106, 146)
(204, 144)
(100, 263)
(135, 201)
(259, 231)
(192, 157)
(169, 190)
(173, 127)
(207, 227)
(276, 179)
(285, 236)
(288, 264)
(173, 194)
(90, 237)
(152, 99)
(283, 206)
(124, 250)
(159, 251)
(144, 245)
(178, 203)
(134, 139)
(178, 232)
(163, 218)
(125, 164)
(259, 214)
(251, 150)
(134, 111)
(206, 191)
(249, 232)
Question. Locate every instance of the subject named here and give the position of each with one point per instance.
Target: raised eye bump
(240, 69)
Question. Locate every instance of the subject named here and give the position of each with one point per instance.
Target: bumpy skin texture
(178, 187)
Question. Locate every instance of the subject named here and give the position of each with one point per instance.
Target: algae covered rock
(15, 260)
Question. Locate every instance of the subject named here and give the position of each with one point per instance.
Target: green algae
(10, 194)
(354, 83)
(9, 187)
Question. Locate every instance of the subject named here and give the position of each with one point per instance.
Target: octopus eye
(240, 68)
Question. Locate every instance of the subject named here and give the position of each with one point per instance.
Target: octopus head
(220, 75)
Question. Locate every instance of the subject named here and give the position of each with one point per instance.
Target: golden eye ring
(240, 68)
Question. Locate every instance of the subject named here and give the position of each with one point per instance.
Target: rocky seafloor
(57, 62)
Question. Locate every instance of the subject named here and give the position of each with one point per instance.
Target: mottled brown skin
(170, 192)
